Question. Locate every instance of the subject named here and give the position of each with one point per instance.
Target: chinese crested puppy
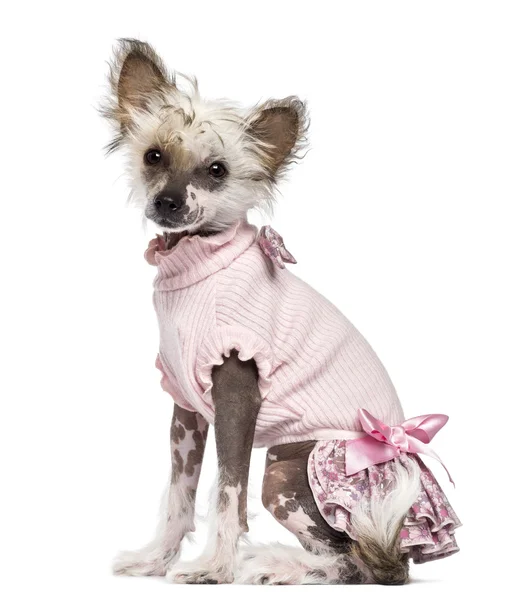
(248, 347)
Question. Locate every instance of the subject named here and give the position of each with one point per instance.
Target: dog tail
(378, 525)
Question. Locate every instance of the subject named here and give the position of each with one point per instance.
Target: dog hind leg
(325, 556)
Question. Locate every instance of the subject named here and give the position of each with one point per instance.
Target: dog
(253, 350)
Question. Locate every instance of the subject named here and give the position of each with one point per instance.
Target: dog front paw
(144, 562)
(202, 574)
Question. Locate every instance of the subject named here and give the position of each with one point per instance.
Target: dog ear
(278, 128)
(137, 74)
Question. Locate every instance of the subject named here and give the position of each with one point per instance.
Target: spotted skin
(287, 495)
(180, 175)
(188, 438)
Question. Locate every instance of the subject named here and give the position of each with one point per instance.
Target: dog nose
(169, 203)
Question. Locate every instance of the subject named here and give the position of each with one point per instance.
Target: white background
(396, 214)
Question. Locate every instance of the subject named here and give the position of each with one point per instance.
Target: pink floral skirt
(428, 532)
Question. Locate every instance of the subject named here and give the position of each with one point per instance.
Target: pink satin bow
(384, 443)
(272, 245)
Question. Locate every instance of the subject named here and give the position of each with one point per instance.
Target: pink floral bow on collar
(272, 245)
(384, 443)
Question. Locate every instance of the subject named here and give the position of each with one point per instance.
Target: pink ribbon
(384, 443)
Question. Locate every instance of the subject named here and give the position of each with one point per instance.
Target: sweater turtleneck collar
(195, 257)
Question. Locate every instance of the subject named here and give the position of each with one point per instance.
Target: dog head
(196, 165)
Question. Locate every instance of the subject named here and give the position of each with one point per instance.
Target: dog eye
(217, 170)
(153, 157)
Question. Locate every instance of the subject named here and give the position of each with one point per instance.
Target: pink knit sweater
(219, 293)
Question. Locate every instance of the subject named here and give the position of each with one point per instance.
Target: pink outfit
(224, 292)
(219, 293)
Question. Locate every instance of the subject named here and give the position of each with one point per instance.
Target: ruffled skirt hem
(428, 532)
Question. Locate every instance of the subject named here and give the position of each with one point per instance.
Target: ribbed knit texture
(219, 293)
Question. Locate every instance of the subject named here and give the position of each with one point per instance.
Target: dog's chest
(182, 328)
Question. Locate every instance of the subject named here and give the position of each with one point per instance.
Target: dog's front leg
(188, 435)
(237, 402)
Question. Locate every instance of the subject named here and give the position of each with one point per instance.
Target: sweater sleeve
(218, 345)
(169, 385)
